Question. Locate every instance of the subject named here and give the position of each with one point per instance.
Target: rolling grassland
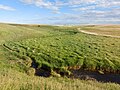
(42, 57)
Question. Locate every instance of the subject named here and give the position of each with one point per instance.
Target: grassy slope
(65, 47)
(10, 72)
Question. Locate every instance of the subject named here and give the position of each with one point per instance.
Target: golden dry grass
(104, 29)
(14, 80)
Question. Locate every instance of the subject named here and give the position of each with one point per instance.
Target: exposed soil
(43, 71)
(80, 74)
(90, 75)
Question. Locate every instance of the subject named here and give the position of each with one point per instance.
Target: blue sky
(60, 11)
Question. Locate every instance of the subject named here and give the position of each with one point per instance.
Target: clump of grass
(31, 71)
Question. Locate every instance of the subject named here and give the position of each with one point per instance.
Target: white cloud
(4, 7)
(85, 10)
(101, 3)
(42, 3)
(77, 2)
(27, 1)
(57, 4)
(108, 3)
(93, 16)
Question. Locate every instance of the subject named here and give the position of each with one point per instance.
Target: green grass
(68, 48)
(56, 48)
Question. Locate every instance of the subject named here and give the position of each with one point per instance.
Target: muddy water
(90, 75)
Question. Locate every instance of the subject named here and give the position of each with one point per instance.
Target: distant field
(55, 52)
(103, 29)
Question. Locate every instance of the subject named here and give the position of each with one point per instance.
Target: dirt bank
(90, 75)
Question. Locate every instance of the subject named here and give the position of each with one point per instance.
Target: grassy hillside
(52, 50)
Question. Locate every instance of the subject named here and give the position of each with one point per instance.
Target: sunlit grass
(105, 30)
(60, 43)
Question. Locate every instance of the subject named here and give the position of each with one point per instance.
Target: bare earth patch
(96, 76)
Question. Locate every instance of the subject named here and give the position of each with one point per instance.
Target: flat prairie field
(113, 30)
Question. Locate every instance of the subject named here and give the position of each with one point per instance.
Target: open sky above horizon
(60, 11)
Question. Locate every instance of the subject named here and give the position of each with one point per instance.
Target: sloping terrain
(26, 50)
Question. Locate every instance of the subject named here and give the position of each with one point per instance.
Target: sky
(60, 12)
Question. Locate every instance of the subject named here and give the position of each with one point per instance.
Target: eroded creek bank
(75, 74)
(79, 74)
(92, 75)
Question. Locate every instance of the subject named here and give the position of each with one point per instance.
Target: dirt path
(92, 33)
